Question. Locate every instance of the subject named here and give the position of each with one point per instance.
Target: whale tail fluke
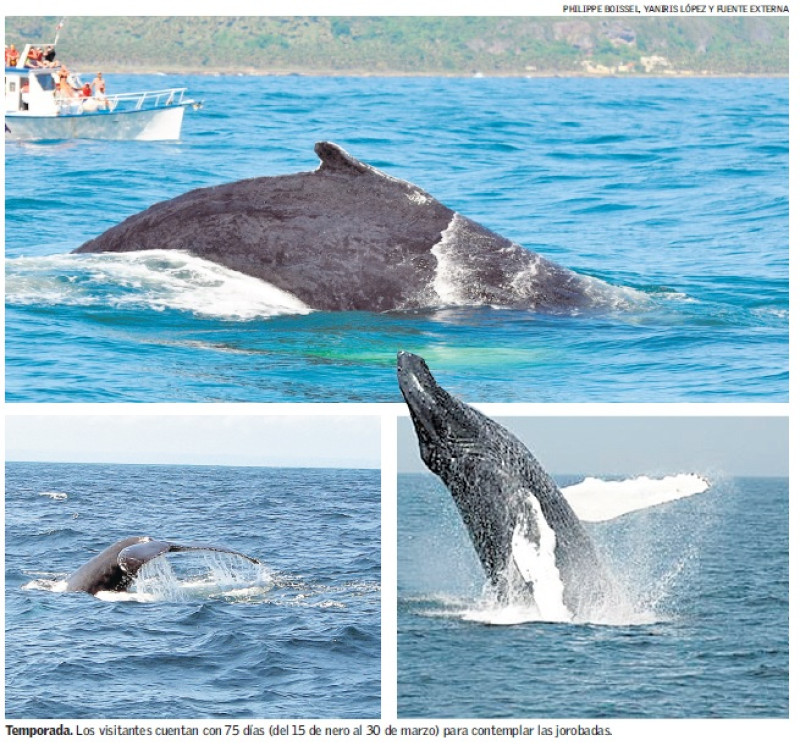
(134, 556)
(116, 567)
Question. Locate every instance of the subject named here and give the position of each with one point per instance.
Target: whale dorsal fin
(335, 158)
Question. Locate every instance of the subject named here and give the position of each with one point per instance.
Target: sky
(598, 445)
(244, 440)
(635, 446)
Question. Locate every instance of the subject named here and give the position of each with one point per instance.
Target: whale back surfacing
(349, 237)
(343, 237)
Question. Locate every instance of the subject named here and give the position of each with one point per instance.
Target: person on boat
(49, 56)
(64, 89)
(12, 56)
(99, 89)
(99, 86)
(35, 57)
(88, 103)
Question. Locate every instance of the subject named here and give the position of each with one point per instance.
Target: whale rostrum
(347, 236)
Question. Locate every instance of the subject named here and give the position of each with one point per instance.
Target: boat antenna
(58, 31)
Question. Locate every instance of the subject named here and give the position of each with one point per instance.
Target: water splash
(642, 582)
(201, 575)
(145, 279)
(181, 577)
(54, 495)
(627, 607)
(198, 575)
(155, 581)
(452, 278)
(53, 585)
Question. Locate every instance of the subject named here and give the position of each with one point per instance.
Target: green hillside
(418, 45)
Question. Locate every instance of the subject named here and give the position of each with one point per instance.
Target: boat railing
(146, 99)
(123, 102)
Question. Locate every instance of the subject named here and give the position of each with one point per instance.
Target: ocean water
(676, 189)
(705, 632)
(296, 637)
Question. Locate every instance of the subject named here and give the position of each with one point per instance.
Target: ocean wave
(54, 495)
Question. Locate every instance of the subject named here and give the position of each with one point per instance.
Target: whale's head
(453, 437)
(487, 470)
(441, 420)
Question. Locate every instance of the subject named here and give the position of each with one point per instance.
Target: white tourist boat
(36, 109)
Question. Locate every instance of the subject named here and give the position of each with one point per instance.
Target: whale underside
(509, 505)
(115, 568)
(350, 237)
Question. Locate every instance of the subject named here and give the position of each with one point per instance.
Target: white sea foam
(419, 198)
(46, 584)
(53, 495)
(489, 611)
(601, 500)
(145, 279)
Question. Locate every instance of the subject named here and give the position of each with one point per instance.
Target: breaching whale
(513, 510)
(115, 568)
(350, 237)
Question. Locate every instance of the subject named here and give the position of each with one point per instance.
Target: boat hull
(144, 124)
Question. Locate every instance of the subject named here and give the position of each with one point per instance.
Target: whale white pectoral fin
(525, 546)
(523, 549)
(533, 546)
(595, 500)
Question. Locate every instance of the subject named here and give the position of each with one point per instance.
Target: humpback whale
(350, 237)
(115, 568)
(513, 510)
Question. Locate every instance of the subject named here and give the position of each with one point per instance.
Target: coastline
(419, 46)
(357, 73)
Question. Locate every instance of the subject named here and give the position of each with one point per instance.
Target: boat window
(12, 86)
(47, 82)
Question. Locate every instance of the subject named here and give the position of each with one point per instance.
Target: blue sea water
(299, 640)
(675, 188)
(709, 637)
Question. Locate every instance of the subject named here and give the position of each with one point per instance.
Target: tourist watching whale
(12, 56)
(35, 57)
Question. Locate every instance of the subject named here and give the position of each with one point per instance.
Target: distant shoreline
(256, 73)
(419, 46)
